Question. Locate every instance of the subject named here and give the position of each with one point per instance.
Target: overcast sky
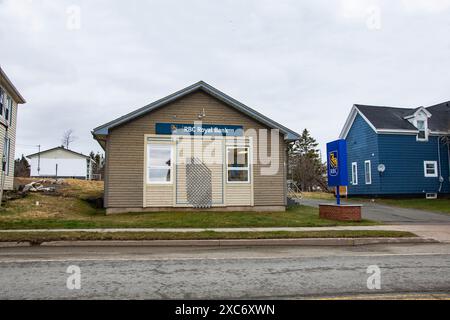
(304, 64)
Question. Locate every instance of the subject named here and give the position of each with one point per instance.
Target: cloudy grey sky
(302, 63)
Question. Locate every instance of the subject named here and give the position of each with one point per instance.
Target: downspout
(448, 160)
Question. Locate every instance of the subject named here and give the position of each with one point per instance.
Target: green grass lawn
(72, 213)
(319, 195)
(39, 237)
(437, 205)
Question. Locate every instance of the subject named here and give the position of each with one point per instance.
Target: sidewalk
(439, 233)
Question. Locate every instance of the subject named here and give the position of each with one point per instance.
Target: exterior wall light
(381, 168)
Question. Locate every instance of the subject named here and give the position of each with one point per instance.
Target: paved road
(388, 214)
(205, 273)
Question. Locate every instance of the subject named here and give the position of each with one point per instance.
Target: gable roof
(387, 117)
(10, 87)
(395, 119)
(416, 111)
(440, 119)
(58, 148)
(103, 130)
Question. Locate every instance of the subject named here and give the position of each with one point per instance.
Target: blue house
(398, 151)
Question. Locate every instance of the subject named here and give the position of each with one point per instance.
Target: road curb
(14, 244)
(224, 243)
(240, 242)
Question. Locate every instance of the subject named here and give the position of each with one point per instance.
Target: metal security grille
(198, 184)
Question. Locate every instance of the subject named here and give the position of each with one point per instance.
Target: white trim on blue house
(351, 118)
(410, 132)
(396, 131)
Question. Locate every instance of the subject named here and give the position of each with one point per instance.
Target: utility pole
(39, 161)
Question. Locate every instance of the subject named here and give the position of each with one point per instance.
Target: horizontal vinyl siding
(239, 194)
(159, 196)
(362, 145)
(9, 178)
(186, 148)
(125, 148)
(404, 159)
(124, 184)
(271, 190)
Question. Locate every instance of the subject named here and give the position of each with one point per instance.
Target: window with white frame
(2, 97)
(8, 109)
(422, 127)
(238, 164)
(159, 163)
(368, 172)
(354, 173)
(6, 155)
(430, 169)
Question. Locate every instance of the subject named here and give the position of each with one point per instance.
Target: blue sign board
(337, 163)
(201, 130)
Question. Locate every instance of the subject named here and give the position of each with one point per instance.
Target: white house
(10, 99)
(62, 163)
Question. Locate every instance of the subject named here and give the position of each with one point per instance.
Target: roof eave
(351, 118)
(423, 109)
(101, 139)
(11, 88)
(104, 129)
(58, 148)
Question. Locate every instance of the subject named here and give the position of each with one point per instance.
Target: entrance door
(199, 176)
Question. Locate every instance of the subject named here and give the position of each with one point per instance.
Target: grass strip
(39, 237)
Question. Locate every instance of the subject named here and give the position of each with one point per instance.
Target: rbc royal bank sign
(199, 129)
(337, 163)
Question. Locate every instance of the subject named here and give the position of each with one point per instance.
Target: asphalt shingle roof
(58, 148)
(440, 120)
(201, 85)
(394, 118)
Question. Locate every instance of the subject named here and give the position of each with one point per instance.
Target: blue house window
(422, 126)
(354, 173)
(430, 169)
(368, 172)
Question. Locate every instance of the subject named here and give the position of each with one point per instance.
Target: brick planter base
(340, 213)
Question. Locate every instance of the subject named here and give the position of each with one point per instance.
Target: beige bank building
(196, 149)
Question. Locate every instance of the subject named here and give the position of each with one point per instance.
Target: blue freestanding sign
(337, 165)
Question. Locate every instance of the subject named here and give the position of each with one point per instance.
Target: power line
(27, 145)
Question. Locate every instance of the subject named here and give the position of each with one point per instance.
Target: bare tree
(67, 138)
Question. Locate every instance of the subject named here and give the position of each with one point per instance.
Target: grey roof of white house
(58, 148)
(390, 118)
(201, 85)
